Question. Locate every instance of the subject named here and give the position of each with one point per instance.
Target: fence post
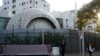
(12, 30)
(43, 37)
(33, 30)
(70, 41)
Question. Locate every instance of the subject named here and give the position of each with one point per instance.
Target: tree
(97, 29)
(88, 12)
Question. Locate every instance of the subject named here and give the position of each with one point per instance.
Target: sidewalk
(86, 54)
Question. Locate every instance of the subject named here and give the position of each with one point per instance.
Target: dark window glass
(13, 6)
(2, 20)
(36, 2)
(8, 2)
(5, 8)
(14, 12)
(23, 3)
(13, 1)
(30, 1)
(2, 23)
(44, 5)
(90, 28)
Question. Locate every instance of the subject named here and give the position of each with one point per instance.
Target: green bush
(50, 38)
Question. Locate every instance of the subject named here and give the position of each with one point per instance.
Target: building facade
(28, 13)
(68, 18)
(16, 6)
(33, 18)
(91, 26)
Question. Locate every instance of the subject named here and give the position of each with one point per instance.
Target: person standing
(63, 48)
(90, 49)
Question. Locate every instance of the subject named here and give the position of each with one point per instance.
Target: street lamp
(81, 35)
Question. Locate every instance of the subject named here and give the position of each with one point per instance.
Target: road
(97, 53)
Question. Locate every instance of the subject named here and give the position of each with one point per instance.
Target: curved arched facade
(33, 18)
(41, 23)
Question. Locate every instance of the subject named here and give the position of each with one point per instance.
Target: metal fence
(71, 36)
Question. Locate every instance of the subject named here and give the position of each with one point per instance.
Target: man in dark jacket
(62, 47)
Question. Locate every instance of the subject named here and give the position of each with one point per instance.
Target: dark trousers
(63, 52)
(90, 53)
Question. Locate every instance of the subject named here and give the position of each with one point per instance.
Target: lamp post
(81, 35)
(75, 14)
(33, 30)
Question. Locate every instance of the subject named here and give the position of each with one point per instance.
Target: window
(90, 28)
(5, 8)
(30, 1)
(13, 6)
(8, 2)
(13, 1)
(30, 7)
(66, 21)
(14, 12)
(23, 3)
(5, 3)
(2, 20)
(44, 5)
(36, 2)
(2, 23)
